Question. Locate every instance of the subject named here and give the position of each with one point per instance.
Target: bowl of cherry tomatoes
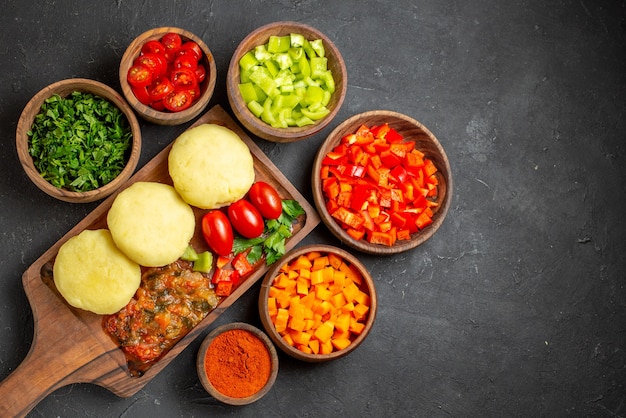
(168, 75)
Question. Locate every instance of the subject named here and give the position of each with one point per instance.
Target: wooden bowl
(254, 124)
(366, 286)
(64, 88)
(202, 371)
(166, 117)
(424, 140)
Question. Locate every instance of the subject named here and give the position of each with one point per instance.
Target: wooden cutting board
(69, 344)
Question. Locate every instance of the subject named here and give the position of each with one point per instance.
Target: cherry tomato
(266, 199)
(200, 73)
(139, 76)
(186, 61)
(153, 47)
(194, 48)
(183, 78)
(160, 88)
(217, 232)
(158, 105)
(141, 93)
(246, 219)
(156, 63)
(172, 42)
(178, 100)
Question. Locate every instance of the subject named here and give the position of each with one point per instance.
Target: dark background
(516, 307)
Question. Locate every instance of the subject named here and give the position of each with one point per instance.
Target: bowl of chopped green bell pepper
(78, 140)
(286, 81)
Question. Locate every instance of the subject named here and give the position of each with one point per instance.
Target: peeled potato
(91, 273)
(210, 166)
(151, 224)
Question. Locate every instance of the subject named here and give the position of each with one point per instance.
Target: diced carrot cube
(356, 327)
(320, 263)
(288, 339)
(300, 337)
(314, 345)
(341, 343)
(360, 311)
(325, 331)
(343, 322)
(326, 347)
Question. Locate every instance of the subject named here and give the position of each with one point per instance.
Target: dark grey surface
(517, 307)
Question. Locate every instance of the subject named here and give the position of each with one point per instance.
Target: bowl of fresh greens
(78, 140)
(286, 81)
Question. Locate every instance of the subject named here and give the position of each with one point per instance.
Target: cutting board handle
(35, 378)
(62, 346)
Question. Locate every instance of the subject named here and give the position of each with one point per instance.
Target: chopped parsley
(80, 142)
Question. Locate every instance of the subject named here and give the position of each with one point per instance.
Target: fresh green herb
(272, 242)
(79, 143)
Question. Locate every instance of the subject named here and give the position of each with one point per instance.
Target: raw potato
(210, 166)
(91, 273)
(151, 224)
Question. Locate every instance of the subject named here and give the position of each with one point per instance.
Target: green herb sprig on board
(80, 142)
(272, 242)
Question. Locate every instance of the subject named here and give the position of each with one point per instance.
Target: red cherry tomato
(156, 63)
(183, 78)
(141, 93)
(266, 199)
(178, 100)
(172, 42)
(160, 88)
(200, 73)
(139, 76)
(153, 47)
(246, 219)
(194, 48)
(186, 61)
(217, 232)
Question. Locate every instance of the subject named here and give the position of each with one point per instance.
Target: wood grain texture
(425, 141)
(64, 88)
(70, 346)
(260, 36)
(206, 87)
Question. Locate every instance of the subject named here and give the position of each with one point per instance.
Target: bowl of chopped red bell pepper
(286, 81)
(168, 75)
(382, 182)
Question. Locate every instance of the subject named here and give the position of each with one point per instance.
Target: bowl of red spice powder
(237, 363)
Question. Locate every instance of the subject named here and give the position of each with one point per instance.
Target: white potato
(91, 273)
(210, 166)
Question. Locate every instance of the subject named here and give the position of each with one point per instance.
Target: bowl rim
(269, 326)
(362, 245)
(148, 113)
(206, 383)
(69, 85)
(256, 125)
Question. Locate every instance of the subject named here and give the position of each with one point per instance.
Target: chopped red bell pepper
(378, 186)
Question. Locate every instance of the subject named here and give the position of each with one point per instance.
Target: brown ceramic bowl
(254, 124)
(366, 286)
(424, 140)
(166, 117)
(204, 377)
(64, 88)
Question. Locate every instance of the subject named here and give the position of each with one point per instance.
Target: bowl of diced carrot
(382, 182)
(318, 303)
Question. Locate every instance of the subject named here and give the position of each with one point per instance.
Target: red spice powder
(237, 363)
